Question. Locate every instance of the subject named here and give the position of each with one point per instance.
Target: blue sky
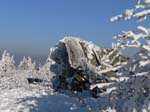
(30, 27)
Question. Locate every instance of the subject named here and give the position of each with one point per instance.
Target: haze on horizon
(31, 27)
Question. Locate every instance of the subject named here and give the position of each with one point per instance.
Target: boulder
(73, 54)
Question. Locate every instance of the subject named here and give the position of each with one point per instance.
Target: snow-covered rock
(75, 58)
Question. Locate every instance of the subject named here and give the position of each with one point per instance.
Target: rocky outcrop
(73, 55)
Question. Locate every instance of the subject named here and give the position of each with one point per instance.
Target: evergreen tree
(27, 64)
(7, 62)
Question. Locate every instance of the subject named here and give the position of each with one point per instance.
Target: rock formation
(73, 56)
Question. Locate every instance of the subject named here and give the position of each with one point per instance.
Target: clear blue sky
(30, 27)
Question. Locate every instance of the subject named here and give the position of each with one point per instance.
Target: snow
(136, 11)
(17, 95)
(126, 91)
(22, 100)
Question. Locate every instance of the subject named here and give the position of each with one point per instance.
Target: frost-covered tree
(138, 38)
(7, 62)
(133, 93)
(45, 69)
(141, 10)
(43, 72)
(27, 64)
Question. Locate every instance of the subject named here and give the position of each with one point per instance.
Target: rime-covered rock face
(77, 58)
(60, 60)
(72, 51)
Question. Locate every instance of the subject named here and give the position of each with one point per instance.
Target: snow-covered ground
(17, 95)
(22, 100)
